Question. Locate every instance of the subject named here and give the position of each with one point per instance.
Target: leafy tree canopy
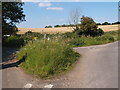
(106, 23)
(88, 28)
(12, 13)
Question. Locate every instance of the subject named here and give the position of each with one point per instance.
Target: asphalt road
(97, 68)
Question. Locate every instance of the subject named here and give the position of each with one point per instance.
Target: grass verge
(108, 37)
(46, 58)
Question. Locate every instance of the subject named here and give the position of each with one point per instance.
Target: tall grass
(46, 58)
(87, 41)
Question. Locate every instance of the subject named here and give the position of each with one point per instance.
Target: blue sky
(39, 15)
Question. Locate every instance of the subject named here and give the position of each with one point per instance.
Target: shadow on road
(8, 56)
(14, 64)
(8, 53)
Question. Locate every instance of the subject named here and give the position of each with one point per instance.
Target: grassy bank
(46, 58)
(108, 37)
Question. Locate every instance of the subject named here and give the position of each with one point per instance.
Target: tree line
(71, 25)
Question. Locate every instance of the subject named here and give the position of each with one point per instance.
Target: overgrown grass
(87, 41)
(46, 58)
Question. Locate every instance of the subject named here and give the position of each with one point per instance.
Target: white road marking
(48, 86)
(28, 85)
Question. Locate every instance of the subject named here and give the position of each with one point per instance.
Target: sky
(41, 14)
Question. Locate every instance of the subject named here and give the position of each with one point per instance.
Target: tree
(57, 26)
(89, 27)
(98, 24)
(116, 22)
(106, 23)
(64, 25)
(74, 19)
(12, 13)
(48, 26)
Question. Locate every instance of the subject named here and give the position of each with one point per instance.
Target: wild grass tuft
(46, 58)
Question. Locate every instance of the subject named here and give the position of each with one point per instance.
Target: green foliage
(13, 41)
(71, 25)
(12, 13)
(57, 26)
(46, 58)
(34, 34)
(116, 22)
(98, 24)
(20, 40)
(29, 32)
(97, 32)
(87, 41)
(48, 26)
(77, 42)
(69, 35)
(106, 23)
(88, 28)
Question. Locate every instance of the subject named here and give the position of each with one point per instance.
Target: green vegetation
(48, 55)
(88, 28)
(104, 23)
(71, 25)
(87, 41)
(18, 41)
(12, 13)
(13, 41)
(70, 37)
(46, 58)
(48, 26)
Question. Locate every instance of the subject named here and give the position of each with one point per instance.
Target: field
(63, 29)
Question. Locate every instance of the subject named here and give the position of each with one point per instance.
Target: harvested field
(46, 30)
(63, 29)
(109, 27)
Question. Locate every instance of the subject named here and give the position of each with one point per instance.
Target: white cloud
(54, 8)
(44, 4)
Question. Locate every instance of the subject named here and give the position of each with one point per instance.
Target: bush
(106, 23)
(105, 38)
(29, 32)
(34, 34)
(48, 26)
(28, 36)
(96, 32)
(57, 26)
(46, 58)
(13, 41)
(88, 28)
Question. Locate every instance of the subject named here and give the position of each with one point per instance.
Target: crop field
(64, 29)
